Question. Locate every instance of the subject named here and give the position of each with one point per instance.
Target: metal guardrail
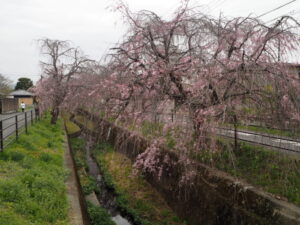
(11, 127)
(283, 144)
(285, 138)
(279, 142)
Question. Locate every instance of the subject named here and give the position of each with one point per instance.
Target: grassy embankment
(32, 188)
(134, 195)
(270, 170)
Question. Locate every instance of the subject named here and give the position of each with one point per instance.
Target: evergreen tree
(24, 83)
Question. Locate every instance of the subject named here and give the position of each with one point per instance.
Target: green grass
(97, 214)
(86, 122)
(87, 183)
(28, 107)
(134, 195)
(32, 188)
(275, 172)
(148, 128)
(71, 127)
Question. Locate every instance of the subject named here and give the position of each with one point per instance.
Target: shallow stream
(105, 197)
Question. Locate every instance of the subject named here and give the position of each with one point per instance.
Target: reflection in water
(120, 220)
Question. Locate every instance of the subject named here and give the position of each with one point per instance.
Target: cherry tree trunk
(54, 115)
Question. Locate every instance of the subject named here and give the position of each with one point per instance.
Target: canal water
(105, 197)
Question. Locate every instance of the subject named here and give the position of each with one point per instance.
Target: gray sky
(92, 26)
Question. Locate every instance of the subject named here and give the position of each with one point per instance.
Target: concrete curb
(77, 211)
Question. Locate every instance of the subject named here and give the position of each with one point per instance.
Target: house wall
(8, 105)
(27, 101)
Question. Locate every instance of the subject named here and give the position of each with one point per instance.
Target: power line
(218, 4)
(291, 13)
(279, 7)
(213, 3)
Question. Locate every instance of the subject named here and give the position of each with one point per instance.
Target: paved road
(9, 122)
(285, 144)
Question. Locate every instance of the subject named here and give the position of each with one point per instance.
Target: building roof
(21, 93)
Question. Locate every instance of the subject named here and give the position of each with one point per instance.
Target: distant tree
(5, 84)
(24, 83)
(62, 62)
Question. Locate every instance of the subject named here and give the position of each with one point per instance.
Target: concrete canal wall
(212, 197)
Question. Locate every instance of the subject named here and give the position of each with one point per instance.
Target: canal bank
(214, 198)
(103, 192)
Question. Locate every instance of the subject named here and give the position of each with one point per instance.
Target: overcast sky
(92, 26)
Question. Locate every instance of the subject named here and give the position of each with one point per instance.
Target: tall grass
(275, 172)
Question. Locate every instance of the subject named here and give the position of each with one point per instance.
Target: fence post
(26, 128)
(17, 131)
(31, 117)
(1, 136)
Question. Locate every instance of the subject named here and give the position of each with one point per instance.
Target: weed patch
(98, 215)
(275, 172)
(135, 196)
(71, 127)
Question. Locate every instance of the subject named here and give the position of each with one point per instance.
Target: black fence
(11, 126)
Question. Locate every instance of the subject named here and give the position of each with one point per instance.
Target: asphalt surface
(9, 122)
(281, 143)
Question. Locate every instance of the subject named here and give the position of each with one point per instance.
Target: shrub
(89, 185)
(16, 156)
(98, 215)
(45, 157)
